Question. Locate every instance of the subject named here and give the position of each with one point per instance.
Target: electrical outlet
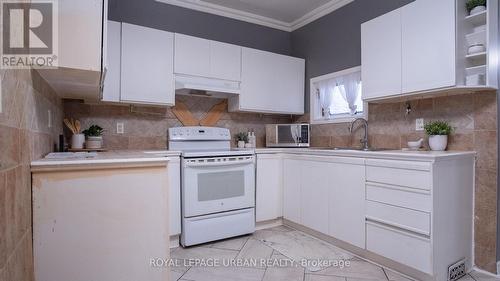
(120, 128)
(49, 118)
(419, 124)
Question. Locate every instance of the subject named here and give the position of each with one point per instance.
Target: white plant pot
(77, 141)
(241, 144)
(477, 9)
(438, 143)
(94, 142)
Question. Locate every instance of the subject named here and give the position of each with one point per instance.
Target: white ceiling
(282, 10)
(286, 15)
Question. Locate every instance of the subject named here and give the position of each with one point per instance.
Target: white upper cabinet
(84, 19)
(201, 57)
(192, 55)
(225, 61)
(147, 65)
(270, 83)
(428, 45)
(111, 87)
(381, 56)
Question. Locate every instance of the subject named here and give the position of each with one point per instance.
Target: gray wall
(333, 42)
(177, 19)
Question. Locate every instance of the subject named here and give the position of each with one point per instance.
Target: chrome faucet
(364, 140)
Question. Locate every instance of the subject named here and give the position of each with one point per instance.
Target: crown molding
(319, 12)
(257, 19)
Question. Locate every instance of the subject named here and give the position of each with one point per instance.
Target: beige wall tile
(3, 221)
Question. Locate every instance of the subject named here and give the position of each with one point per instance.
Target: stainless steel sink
(355, 148)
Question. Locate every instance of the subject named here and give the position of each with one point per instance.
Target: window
(337, 97)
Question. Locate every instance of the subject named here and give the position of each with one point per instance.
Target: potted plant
(438, 132)
(475, 6)
(242, 138)
(94, 137)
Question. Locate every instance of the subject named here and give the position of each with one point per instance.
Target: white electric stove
(218, 185)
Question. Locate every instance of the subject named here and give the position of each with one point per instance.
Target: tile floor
(249, 247)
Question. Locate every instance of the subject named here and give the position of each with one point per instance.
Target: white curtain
(325, 91)
(350, 89)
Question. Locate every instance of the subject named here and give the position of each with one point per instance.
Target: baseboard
(268, 224)
(381, 261)
(174, 241)
(482, 271)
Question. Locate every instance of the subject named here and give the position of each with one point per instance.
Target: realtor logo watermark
(29, 34)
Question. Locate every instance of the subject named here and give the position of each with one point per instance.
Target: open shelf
(480, 69)
(476, 38)
(477, 19)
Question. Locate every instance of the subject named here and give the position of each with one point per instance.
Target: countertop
(136, 157)
(154, 156)
(384, 154)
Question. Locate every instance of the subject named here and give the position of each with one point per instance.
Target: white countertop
(388, 154)
(149, 156)
(111, 157)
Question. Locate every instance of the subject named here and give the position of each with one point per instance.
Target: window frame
(313, 101)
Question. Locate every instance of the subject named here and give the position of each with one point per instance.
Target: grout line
(385, 273)
(14, 251)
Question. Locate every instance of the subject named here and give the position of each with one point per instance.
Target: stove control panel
(198, 133)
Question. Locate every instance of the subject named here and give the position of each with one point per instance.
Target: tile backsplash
(146, 127)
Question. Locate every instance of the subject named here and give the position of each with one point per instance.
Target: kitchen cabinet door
(292, 173)
(80, 34)
(269, 197)
(314, 201)
(147, 65)
(174, 197)
(428, 43)
(111, 88)
(347, 203)
(381, 56)
(225, 61)
(270, 83)
(192, 55)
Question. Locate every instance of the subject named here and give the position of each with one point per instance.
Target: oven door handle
(215, 164)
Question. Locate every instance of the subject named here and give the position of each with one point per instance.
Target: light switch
(419, 124)
(120, 128)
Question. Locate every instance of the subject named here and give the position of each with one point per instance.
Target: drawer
(411, 220)
(402, 247)
(415, 199)
(402, 173)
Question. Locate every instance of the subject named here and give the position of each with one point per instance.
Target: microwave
(287, 135)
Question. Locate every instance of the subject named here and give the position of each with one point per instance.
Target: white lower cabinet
(292, 171)
(326, 194)
(269, 189)
(346, 197)
(314, 184)
(416, 212)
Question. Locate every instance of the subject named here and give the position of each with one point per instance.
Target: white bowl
(415, 145)
(477, 10)
(474, 49)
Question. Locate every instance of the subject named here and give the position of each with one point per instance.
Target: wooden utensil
(78, 126)
(214, 114)
(182, 113)
(70, 125)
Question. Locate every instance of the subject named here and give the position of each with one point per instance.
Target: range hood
(202, 86)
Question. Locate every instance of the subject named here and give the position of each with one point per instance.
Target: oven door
(217, 184)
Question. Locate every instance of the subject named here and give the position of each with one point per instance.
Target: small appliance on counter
(287, 135)
(217, 185)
